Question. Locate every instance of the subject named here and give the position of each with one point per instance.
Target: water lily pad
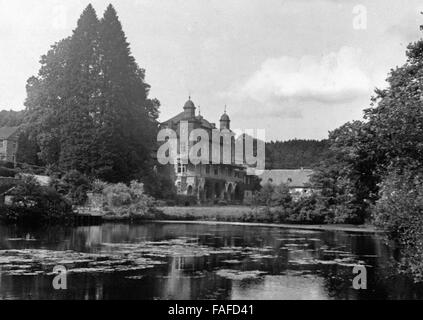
(239, 275)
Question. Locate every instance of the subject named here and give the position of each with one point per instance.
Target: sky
(296, 68)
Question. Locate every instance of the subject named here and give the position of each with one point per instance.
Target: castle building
(207, 182)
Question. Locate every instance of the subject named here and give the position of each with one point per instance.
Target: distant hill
(11, 118)
(294, 154)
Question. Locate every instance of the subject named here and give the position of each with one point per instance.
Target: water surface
(195, 261)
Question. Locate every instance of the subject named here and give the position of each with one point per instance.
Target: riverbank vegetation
(124, 202)
(25, 200)
(29, 202)
(373, 170)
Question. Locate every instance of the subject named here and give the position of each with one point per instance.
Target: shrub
(7, 164)
(185, 201)
(280, 196)
(74, 186)
(170, 203)
(273, 196)
(7, 172)
(264, 196)
(159, 185)
(34, 203)
(400, 206)
(222, 203)
(307, 210)
(118, 195)
(129, 201)
(6, 184)
(98, 186)
(399, 211)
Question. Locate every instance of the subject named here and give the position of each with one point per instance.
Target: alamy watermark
(60, 280)
(360, 17)
(360, 281)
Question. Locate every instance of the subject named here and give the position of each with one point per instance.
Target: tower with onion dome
(225, 121)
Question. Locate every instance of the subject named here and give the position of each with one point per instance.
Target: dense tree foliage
(28, 149)
(348, 177)
(395, 127)
(88, 108)
(11, 118)
(294, 154)
(32, 203)
(374, 167)
(400, 212)
(73, 186)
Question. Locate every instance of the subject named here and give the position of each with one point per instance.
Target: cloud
(334, 78)
(407, 28)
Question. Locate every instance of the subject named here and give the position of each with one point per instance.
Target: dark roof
(189, 105)
(204, 122)
(8, 132)
(182, 116)
(177, 118)
(225, 117)
(293, 178)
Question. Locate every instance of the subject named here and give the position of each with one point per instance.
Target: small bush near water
(275, 204)
(33, 203)
(7, 164)
(123, 201)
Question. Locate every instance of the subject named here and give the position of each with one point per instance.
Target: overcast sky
(297, 68)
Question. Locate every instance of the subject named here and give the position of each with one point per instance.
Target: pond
(196, 261)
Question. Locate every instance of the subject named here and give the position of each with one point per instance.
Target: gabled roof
(181, 116)
(7, 132)
(292, 178)
(205, 123)
(176, 119)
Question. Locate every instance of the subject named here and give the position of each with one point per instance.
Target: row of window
(182, 168)
(4, 142)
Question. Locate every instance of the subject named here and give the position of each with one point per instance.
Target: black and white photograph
(211, 154)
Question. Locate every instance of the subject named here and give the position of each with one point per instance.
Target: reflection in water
(188, 261)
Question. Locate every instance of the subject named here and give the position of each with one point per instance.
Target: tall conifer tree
(88, 107)
(126, 124)
(45, 95)
(79, 109)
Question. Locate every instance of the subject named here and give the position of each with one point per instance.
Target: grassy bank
(245, 215)
(227, 213)
(323, 227)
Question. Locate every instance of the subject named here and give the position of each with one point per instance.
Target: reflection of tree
(194, 277)
(384, 277)
(404, 268)
(191, 278)
(45, 234)
(410, 253)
